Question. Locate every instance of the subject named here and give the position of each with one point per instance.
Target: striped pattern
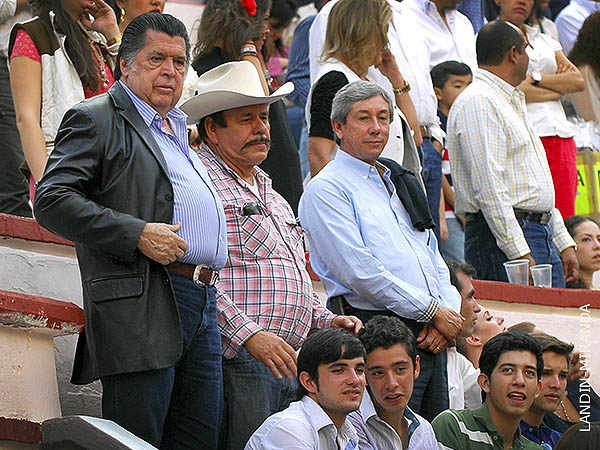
(473, 429)
(197, 205)
(498, 162)
(264, 285)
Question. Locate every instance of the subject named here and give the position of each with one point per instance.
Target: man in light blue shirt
(384, 420)
(331, 379)
(364, 245)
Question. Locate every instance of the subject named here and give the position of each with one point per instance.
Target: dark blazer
(104, 180)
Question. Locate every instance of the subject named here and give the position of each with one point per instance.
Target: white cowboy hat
(230, 85)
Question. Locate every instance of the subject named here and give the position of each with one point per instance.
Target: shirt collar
(358, 166)
(317, 417)
(147, 112)
(498, 83)
(367, 411)
(482, 414)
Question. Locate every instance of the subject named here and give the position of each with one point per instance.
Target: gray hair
(355, 92)
(134, 36)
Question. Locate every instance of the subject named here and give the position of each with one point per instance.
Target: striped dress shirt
(264, 285)
(197, 205)
(498, 162)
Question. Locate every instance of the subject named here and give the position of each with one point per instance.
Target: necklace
(564, 411)
(101, 63)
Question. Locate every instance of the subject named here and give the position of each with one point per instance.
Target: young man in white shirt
(384, 420)
(331, 375)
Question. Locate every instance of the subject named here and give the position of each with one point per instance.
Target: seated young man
(384, 421)
(557, 355)
(331, 375)
(511, 365)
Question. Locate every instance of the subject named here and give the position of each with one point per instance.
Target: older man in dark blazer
(150, 235)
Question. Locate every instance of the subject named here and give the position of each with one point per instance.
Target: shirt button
(165, 281)
(495, 438)
(169, 197)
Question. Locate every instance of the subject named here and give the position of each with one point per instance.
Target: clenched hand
(160, 242)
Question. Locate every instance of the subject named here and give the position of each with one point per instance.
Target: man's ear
(417, 366)
(474, 341)
(211, 130)
(438, 93)
(337, 129)
(512, 55)
(309, 384)
(124, 69)
(484, 383)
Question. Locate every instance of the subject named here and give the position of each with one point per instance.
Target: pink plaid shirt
(264, 284)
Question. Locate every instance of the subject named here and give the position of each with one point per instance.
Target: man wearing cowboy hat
(264, 293)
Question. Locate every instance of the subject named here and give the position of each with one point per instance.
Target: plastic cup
(517, 271)
(542, 275)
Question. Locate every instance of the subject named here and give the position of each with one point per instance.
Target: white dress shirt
(548, 118)
(463, 390)
(376, 434)
(570, 19)
(452, 42)
(412, 61)
(303, 426)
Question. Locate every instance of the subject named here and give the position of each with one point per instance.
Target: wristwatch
(537, 77)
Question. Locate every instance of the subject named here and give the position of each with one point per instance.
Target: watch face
(536, 76)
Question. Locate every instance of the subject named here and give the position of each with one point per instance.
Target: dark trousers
(178, 407)
(482, 252)
(252, 393)
(14, 188)
(432, 177)
(430, 392)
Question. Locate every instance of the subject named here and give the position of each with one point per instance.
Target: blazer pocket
(115, 288)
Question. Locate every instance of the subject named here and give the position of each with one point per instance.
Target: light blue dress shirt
(363, 244)
(197, 205)
(376, 434)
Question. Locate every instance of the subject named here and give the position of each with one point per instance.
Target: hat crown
(237, 76)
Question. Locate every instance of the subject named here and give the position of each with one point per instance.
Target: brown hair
(586, 48)
(355, 29)
(226, 24)
(76, 43)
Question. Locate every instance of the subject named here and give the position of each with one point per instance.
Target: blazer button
(169, 197)
(165, 281)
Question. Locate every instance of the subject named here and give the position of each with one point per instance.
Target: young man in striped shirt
(511, 364)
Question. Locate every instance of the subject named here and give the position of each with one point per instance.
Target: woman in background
(586, 56)
(282, 14)
(586, 233)
(130, 9)
(56, 60)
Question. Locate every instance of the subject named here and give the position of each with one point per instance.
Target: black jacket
(104, 180)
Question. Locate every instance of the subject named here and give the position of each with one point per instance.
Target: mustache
(258, 140)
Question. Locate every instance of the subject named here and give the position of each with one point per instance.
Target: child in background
(450, 78)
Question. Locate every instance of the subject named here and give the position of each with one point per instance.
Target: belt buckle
(196, 276)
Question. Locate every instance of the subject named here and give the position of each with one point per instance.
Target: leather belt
(543, 218)
(201, 275)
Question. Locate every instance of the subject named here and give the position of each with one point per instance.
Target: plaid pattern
(498, 162)
(264, 284)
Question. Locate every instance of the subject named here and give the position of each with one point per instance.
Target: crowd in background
(471, 164)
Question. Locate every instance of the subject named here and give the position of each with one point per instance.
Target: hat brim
(207, 103)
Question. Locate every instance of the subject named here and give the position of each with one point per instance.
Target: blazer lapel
(129, 112)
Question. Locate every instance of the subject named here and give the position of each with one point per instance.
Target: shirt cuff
(427, 316)
(515, 249)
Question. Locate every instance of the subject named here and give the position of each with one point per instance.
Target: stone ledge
(512, 293)
(28, 229)
(29, 311)
(20, 430)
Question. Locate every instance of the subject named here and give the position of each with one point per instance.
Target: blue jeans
(178, 407)
(252, 393)
(432, 177)
(482, 252)
(454, 248)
